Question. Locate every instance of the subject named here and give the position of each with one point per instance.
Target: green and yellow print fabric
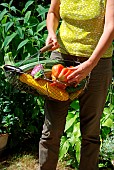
(82, 26)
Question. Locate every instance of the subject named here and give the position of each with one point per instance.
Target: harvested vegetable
(63, 74)
(59, 84)
(44, 87)
(56, 70)
(37, 71)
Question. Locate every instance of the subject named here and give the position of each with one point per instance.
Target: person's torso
(82, 26)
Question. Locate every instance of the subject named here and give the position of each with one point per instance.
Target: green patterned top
(81, 27)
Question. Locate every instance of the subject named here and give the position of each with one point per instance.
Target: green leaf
(41, 26)
(10, 3)
(4, 4)
(8, 26)
(63, 139)
(76, 130)
(42, 11)
(6, 109)
(27, 5)
(8, 59)
(8, 39)
(22, 44)
(27, 16)
(77, 149)
(20, 32)
(70, 114)
(30, 31)
(3, 13)
(64, 149)
(72, 140)
(75, 105)
(108, 123)
(13, 9)
(106, 110)
(70, 122)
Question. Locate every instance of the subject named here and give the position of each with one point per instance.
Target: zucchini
(32, 60)
(47, 64)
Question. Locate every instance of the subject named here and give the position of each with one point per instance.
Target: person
(80, 30)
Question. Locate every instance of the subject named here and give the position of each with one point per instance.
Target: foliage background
(23, 33)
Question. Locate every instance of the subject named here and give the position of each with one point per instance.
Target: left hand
(80, 72)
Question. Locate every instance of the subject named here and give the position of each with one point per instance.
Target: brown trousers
(92, 103)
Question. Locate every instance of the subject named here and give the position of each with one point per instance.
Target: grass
(28, 161)
(25, 161)
(24, 157)
(19, 162)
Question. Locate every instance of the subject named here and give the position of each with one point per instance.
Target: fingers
(77, 79)
(75, 76)
(53, 40)
(72, 68)
(55, 46)
(74, 80)
(48, 41)
(72, 75)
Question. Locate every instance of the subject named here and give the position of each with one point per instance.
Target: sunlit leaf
(20, 32)
(4, 4)
(41, 26)
(13, 9)
(76, 129)
(27, 5)
(8, 59)
(106, 110)
(64, 149)
(70, 114)
(22, 44)
(8, 26)
(42, 11)
(2, 14)
(30, 31)
(10, 3)
(70, 122)
(27, 16)
(108, 123)
(77, 149)
(8, 39)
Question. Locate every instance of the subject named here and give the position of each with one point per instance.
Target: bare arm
(81, 71)
(107, 36)
(52, 22)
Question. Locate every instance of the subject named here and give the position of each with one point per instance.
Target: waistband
(70, 58)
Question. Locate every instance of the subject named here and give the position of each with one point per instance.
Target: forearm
(107, 36)
(52, 22)
(103, 44)
(82, 70)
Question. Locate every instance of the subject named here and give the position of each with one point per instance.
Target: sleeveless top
(81, 27)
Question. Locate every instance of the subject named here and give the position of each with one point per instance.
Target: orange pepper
(63, 74)
(56, 69)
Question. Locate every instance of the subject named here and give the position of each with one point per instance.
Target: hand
(80, 72)
(52, 39)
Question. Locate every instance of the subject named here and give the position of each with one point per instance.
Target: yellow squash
(44, 87)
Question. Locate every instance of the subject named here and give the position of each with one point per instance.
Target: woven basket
(14, 74)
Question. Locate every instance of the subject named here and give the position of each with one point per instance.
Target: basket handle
(46, 48)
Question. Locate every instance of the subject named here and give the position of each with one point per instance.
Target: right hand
(52, 39)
